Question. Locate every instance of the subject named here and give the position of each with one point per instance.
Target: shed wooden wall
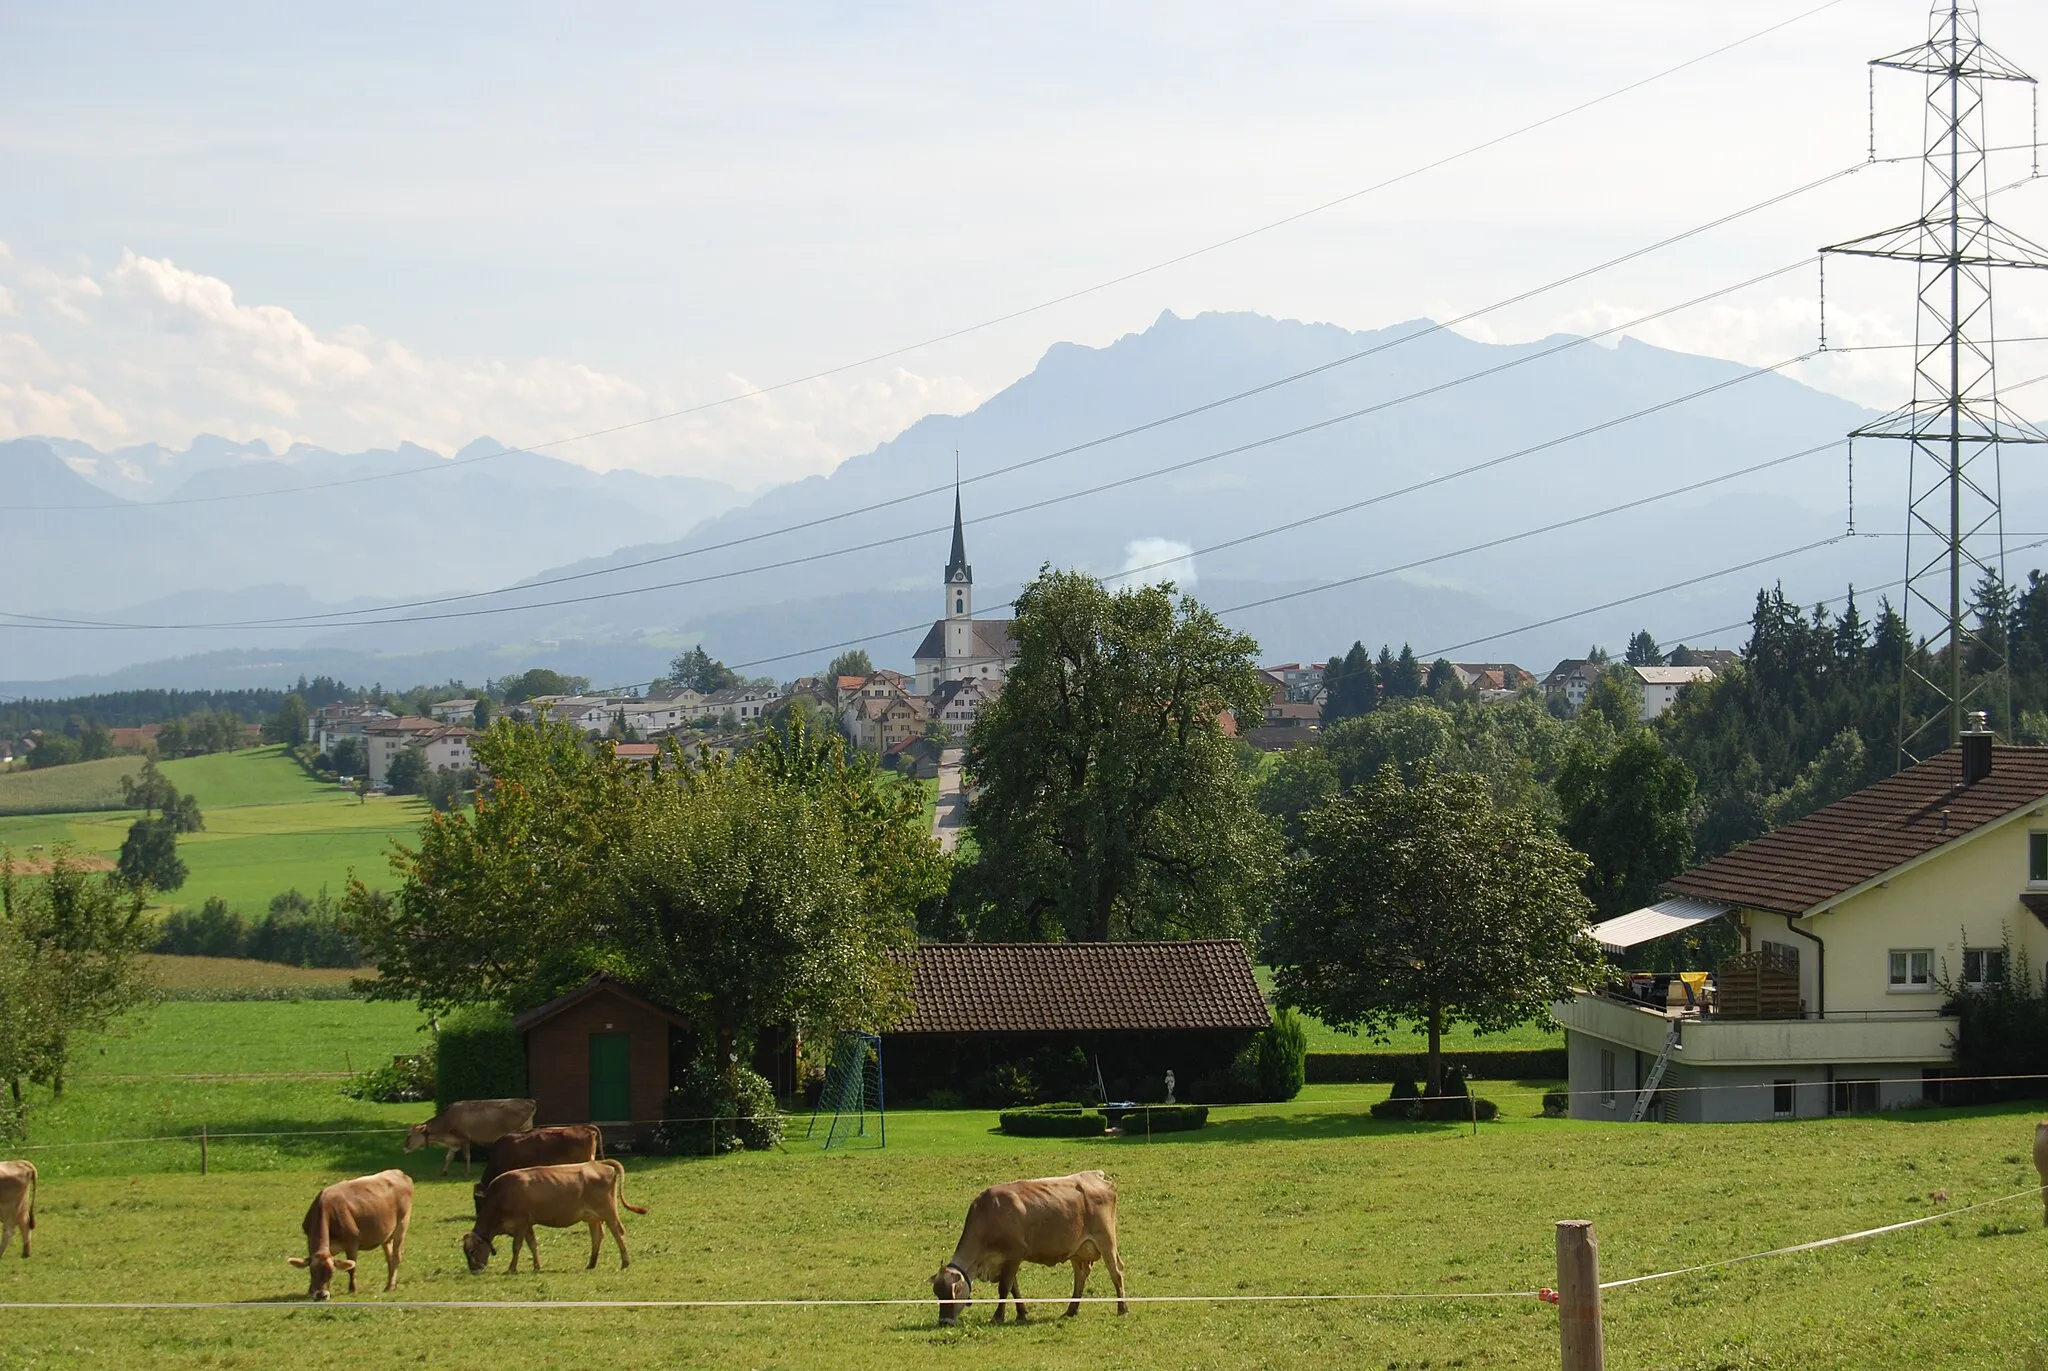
(558, 1059)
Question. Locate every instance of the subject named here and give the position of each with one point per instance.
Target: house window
(1912, 969)
(1607, 1077)
(2037, 858)
(1855, 1097)
(1784, 1099)
(1983, 966)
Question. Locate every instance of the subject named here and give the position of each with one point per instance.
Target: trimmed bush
(478, 1056)
(1052, 1121)
(1557, 1104)
(702, 1116)
(1147, 1119)
(1510, 1064)
(1456, 1103)
(406, 1080)
(1282, 1057)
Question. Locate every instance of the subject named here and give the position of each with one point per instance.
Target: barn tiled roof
(1862, 836)
(1082, 987)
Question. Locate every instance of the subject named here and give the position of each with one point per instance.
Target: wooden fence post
(202, 1149)
(1578, 1297)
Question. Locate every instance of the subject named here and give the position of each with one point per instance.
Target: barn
(599, 1054)
(988, 1018)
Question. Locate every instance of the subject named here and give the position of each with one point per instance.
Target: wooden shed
(599, 1054)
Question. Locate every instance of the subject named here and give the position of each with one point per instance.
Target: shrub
(1052, 1121)
(703, 1115)
(478, 1056)
(1406, 1102)
(1158, 1118)
(1405, 1089)
(408, 1079)
(302, 932)
(214, 931)
(2001, 1030)
(1283, 1057)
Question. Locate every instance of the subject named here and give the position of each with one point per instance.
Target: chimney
(1976, 742)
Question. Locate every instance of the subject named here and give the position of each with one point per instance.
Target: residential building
(1491, 681)
(1571, 679)
(739, 704)
(1303, 682)
(1851, 920)
(959, 645)
(661, 712)
(329, 724)
(385, 738)
(1661, 685)
(1721, 659)
(957, 704)
(453, 711)
(879, 725)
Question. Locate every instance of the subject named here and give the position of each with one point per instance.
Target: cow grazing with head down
(352, 1216)
(469, 1123)
(1058, 1219)
(17, 1203)
(557, 1146)
(2040, 1165)
(550, 1197)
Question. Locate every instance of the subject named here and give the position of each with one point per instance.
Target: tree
(345, 758)
(698, 670)
(1642, 650)
(148, 790)
(1300, 779)
(70, 963)
(480, 715)
(1627, 812)
(444, 786)
(541, 681)
(1350, 685)
(1617, 697)
(1842, 767)
(288, 725)
(149, 856)
(1109, 801)
(1443, 684)
(405, 771)
(1405, 680)
(1426, 904)
(853, 662)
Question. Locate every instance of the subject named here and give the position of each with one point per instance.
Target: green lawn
(269, 828)
(1458, 1038)
(1310, 1197)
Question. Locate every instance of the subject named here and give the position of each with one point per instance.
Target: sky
(350, 226)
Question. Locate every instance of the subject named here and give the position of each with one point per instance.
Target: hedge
(1158, 1118)
(1511, 1064)
(478, 1055)
(1051, 1121)
(1439, 1108)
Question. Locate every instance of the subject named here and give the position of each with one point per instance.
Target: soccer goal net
(851, 1104)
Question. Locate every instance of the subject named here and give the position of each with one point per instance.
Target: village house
(452, 711)
(1492, 681)
(329, 724)
(1303, 683)
(957, 704)
(959, 645)
(1661, 685)
(1571, 680)
(662, 712)
(1851, 922)
(738, 704)
(385, 738)
(879, 724)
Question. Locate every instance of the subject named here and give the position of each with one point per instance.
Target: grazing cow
(550, 1197)
(17, 1203)
(558, 1146)
(369, 1211)
(1058, 1219)
(2040, 1165)
(469, 1122)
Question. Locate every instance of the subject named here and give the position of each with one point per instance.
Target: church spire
(957, 570)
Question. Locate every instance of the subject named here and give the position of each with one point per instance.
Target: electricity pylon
(1955, 422)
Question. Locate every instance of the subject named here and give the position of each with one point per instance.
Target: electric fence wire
(1385, 184)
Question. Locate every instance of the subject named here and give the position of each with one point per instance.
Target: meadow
(269, 828)
(1312, 1196)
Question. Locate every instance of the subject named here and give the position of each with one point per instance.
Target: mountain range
(1241, 494)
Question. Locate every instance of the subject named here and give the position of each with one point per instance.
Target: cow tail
(619, 1186)
(31, 1198)
(600, 1141)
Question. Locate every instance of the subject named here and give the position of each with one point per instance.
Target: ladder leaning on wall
(1648, 1090)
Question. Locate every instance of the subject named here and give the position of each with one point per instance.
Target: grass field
(1459, 1038)
(236, 973)
(1312, 1196)
(269, 828)
(81, 786)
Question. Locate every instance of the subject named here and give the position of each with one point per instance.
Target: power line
(1067, 298)
(337, 618)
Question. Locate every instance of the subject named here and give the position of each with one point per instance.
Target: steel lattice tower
(1955, 423)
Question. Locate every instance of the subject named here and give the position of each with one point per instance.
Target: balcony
(1709, 1040)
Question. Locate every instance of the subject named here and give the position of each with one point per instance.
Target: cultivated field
(82, 786)
(269, 828)
(1308, 1197)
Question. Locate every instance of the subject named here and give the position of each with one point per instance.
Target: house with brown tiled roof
(1118, 1014)
(1850, 922)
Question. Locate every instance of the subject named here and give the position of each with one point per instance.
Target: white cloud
(1148, 561)
(149, 351)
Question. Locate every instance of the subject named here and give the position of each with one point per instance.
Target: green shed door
(611, 1077)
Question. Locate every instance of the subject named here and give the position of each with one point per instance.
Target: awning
(1654, 921)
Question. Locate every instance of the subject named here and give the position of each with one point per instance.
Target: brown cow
(550, 1197)
(1058, 1219)
(17, 1203)
(2040, 1165)
(469, 1121)
(557, 1146)
(369, 1211)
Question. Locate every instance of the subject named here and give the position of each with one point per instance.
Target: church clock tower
(959, 593)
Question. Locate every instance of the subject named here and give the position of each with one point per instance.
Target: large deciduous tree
(1627, 811)
(1109, 800)
(1421, 902)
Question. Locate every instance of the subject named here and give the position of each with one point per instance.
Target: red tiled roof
(1082, 987)
(1862, 836)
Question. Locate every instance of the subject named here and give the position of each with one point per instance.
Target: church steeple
(959, 577)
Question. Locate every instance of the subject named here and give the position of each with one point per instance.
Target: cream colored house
(1851, 921)
(1661, 685)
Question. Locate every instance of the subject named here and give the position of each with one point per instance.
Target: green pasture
(1458, 1038)
(269, 828)
(1312, 1196)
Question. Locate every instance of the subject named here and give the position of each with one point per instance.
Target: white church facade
(959, 646)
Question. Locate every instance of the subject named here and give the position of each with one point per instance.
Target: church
(961, 647)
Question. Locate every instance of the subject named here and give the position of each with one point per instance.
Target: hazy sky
(352, 225)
